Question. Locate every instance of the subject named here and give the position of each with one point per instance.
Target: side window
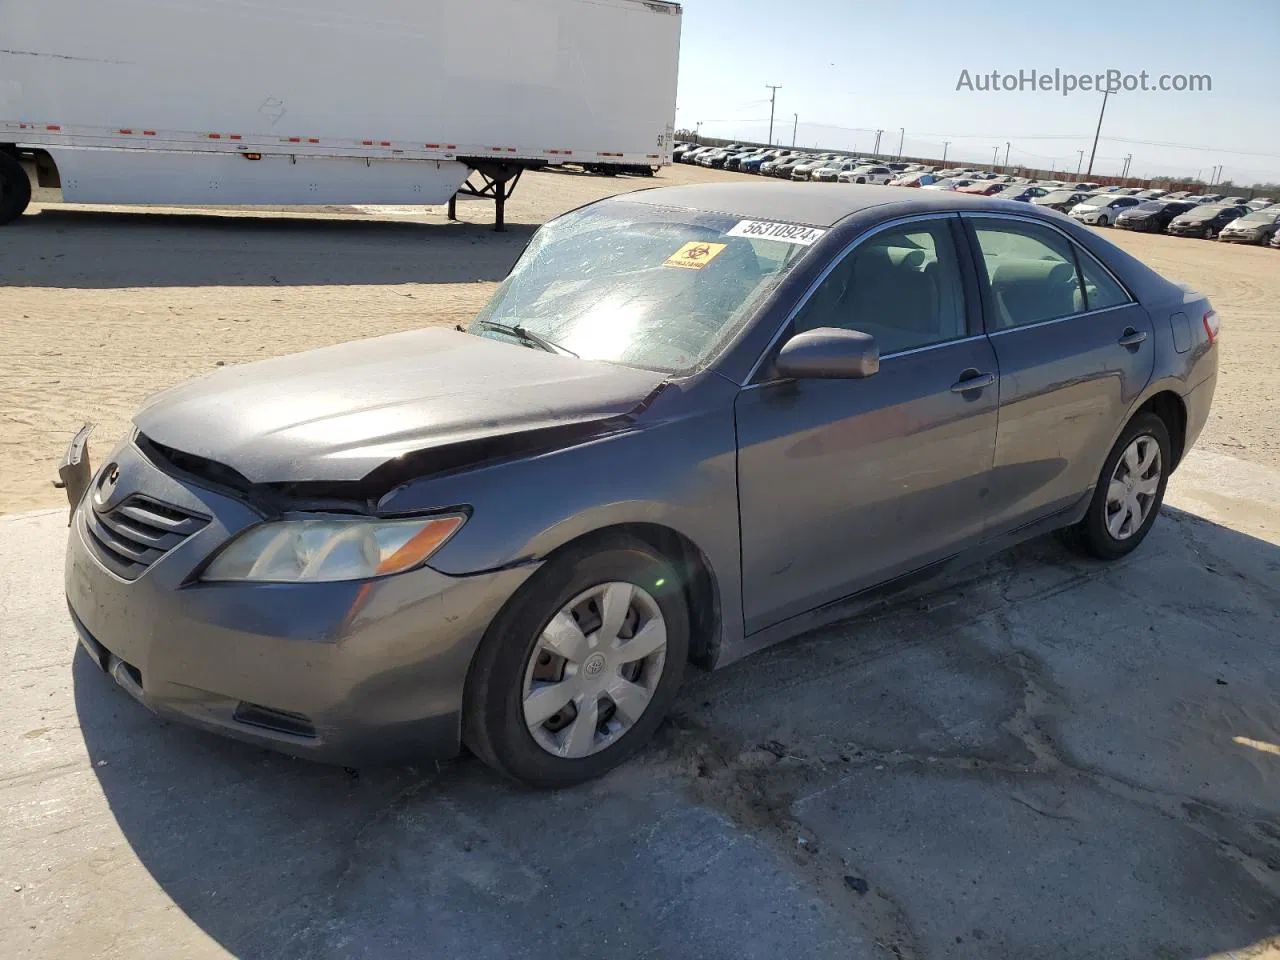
(1031, 273)
(1100, 290)
(901, 285)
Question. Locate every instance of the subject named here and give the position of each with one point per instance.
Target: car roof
(813, 204)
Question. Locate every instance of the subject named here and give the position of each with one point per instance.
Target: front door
(846, 483)
(1074, 351)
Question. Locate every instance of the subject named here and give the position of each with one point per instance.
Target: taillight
(1211, 325)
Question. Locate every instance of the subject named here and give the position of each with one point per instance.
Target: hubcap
(594, 669)
(1132, 491)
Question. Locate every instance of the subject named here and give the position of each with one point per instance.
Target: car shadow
(1039, 756)
(84, 249)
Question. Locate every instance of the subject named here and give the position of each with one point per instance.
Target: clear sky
(848, 67)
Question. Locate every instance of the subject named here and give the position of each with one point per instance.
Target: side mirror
(829, 353)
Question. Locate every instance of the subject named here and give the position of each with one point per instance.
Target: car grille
(137, 532)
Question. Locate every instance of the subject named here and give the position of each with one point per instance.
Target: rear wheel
(1129, 493)
(1102, 220)
(15, 189)
(580, 667)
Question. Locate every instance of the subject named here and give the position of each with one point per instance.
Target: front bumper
(1254, 238)
(355, 673)
(1178, 231)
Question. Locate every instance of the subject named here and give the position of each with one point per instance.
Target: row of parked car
(791, 164)
(1180, 213)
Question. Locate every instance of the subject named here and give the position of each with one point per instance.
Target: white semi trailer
(223, 102)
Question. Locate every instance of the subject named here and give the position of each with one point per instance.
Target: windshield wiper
(527, 337)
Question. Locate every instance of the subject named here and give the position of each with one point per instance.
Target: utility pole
(875, 151)
(794, 127)
(1124, 174)
(1006, 155)
(697, 132)
(1079, 161)
(945, 145)
(1094, 152)
(995, 159)
(773, 99)
(902, 133)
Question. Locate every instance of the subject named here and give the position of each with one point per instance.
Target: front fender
(678, 473)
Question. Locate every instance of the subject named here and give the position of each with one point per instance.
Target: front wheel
(580, 667)
(1129, 494)
(15, 189)
(1102, 221)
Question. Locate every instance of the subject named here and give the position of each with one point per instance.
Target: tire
(15, 189)
(1210, 233)
(1092, 536)
(1102, 220)
(494, 723)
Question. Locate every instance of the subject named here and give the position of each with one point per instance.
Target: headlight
(321, 551)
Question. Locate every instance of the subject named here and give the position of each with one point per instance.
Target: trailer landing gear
(499, 182)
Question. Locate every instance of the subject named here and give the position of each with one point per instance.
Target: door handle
(972, 380)
(1132, 337)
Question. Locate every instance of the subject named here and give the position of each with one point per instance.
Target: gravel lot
(1038, 757)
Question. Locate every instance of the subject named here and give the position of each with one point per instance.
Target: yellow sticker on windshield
(695, 255)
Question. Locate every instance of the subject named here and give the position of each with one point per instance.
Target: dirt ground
(1042, 756)
(100, 307)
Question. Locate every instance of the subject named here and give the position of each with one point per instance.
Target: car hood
(340, 412)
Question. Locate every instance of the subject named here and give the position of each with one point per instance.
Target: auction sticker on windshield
(785, 232)
(694, 255)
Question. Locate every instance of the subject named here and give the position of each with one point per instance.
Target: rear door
(1074, 351)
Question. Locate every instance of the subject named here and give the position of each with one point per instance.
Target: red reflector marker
(1211, 325)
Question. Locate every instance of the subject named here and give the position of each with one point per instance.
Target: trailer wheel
(15, 189)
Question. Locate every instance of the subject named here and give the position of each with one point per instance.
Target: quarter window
(1100, 289)
(901, 285)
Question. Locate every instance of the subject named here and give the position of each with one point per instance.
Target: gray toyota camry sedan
(692, 422)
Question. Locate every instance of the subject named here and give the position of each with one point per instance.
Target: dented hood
(338, 413)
